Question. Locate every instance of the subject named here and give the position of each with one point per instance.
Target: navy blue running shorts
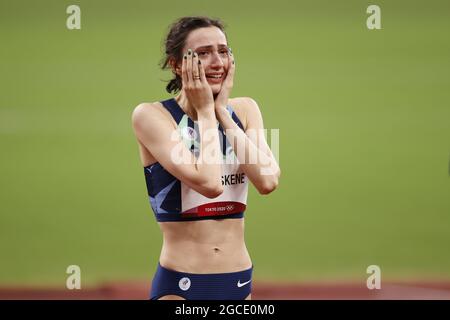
(207, 286)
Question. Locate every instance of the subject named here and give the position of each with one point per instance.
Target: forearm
(209, 164)
(261, 167)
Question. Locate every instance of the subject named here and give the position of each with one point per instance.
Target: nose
(216, 61)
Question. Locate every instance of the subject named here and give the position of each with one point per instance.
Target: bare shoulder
(243, 102)
(244, 105)
(245, 108)
(145, 112)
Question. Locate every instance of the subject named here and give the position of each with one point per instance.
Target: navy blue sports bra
(172, 200)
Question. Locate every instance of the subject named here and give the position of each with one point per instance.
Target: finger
(195, 72)
(231, 66)
(189, 66)
(201, 71)
(228, 81)
(184, 77)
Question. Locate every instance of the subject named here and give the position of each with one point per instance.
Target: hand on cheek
(227, 84)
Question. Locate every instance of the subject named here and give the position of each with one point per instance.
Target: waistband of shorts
(181, 273)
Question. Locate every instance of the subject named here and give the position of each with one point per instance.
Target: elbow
(212, 190)
(270, 183)
(268, 186)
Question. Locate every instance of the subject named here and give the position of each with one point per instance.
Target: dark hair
(176, 39)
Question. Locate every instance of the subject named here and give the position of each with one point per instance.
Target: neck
(187, 107)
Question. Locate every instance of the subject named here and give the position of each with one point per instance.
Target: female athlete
(197, 194)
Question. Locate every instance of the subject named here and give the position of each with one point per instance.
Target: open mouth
(214, 76)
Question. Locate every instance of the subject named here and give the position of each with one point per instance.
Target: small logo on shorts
(239, 284)
(184, 284)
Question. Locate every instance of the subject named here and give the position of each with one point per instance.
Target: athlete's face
(211, 46)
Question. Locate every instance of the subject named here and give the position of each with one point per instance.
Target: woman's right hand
(194, 82)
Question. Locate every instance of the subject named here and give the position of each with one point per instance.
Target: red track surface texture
(261, 291)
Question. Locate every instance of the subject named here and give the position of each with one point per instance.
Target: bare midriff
(204, 246)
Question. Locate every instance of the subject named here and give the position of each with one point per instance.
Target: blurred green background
(364, 119)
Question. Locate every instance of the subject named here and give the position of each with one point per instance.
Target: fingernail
(185, 56)
(231, 51)
(233, 62)
(189, 52)
(195, 54)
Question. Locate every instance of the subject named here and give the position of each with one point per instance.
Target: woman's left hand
(221, 100)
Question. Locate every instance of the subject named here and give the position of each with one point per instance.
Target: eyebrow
(210, 47)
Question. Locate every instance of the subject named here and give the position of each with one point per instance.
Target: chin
(215, 88)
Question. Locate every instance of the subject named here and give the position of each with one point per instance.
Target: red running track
(261, 291)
